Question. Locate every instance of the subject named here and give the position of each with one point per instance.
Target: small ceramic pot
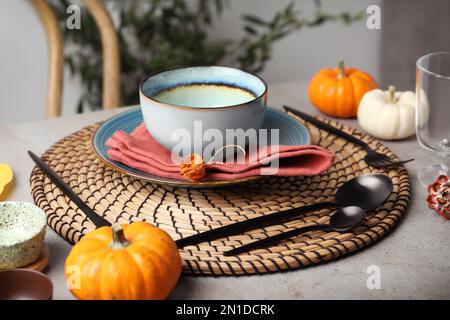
(22, 233)
(192, 100)
(24, 284)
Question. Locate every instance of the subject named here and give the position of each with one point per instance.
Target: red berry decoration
(193, 167)
(439, 196)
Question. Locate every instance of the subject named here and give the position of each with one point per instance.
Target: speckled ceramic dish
(22, 233)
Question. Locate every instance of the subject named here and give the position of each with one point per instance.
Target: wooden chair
(111, 55)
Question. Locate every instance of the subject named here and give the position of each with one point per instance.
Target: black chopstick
(94, 217)
(324, 126)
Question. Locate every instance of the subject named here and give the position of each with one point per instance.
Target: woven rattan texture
(182, 212)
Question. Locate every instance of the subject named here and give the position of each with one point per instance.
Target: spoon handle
(274, 239)
(250, 224)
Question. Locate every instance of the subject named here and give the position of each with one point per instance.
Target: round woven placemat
(182, 212)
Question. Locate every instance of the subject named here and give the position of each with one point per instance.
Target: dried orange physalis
(193, 167)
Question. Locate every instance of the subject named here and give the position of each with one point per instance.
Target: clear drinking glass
(433, 112)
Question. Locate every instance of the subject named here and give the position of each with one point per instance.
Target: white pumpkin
(388, 115)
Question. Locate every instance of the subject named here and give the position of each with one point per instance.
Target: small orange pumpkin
(337, 92)
(126, 262)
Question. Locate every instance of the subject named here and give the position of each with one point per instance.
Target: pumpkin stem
(341, 68)
(392, 98)
(119, 241)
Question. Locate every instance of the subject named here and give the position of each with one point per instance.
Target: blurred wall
(300, 55)
(23, 66)
(23, 58)
(411, 29)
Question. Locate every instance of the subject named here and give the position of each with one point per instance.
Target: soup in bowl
(182, 107)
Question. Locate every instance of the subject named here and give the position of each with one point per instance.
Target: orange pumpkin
(125, 262)
(337, 92)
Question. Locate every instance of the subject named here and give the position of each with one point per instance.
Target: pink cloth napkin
(140, 151)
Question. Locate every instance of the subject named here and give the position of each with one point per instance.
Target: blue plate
(292, 132)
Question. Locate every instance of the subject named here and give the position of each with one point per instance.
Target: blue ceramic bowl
(173, 102)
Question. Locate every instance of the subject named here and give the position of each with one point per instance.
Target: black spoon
(344, 219)
(367, 191)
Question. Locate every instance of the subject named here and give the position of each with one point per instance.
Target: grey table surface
(413, 261)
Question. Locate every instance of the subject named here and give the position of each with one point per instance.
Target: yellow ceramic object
(6, 181)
